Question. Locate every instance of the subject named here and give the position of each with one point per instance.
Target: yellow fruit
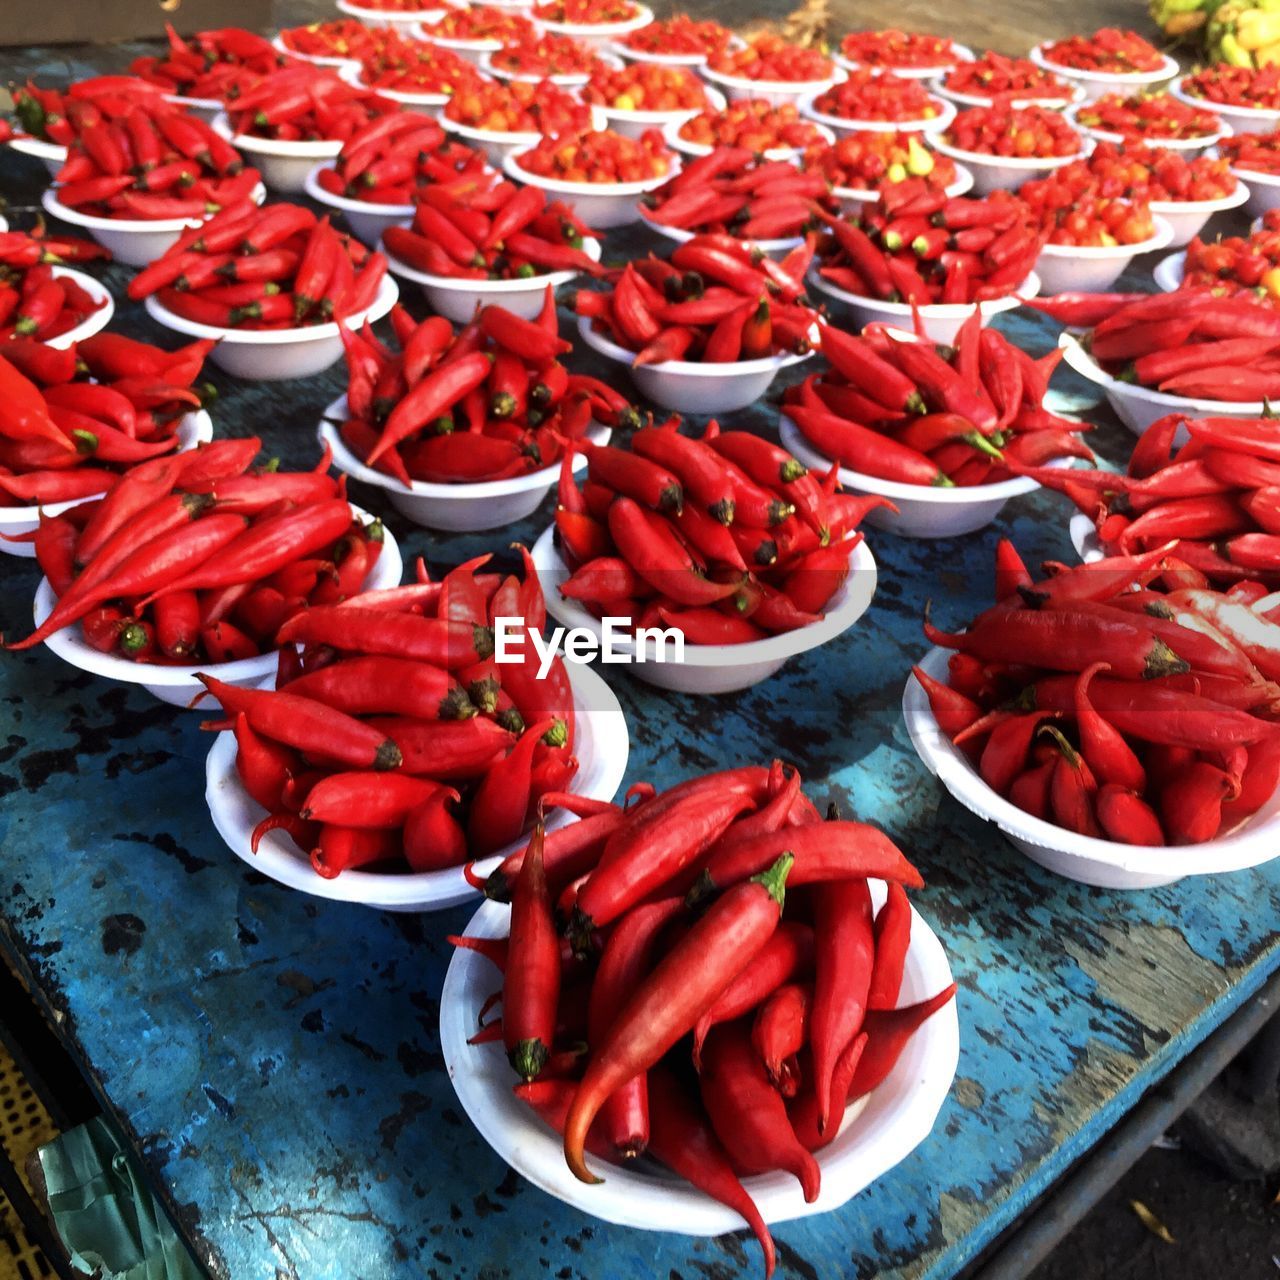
(1268, 56)
(1271, 282)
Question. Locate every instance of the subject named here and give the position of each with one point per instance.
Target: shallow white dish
(1090, 860)
(876, 1133)
(671, 133)
(1263, 188)
(774, 248)
(632, 124)
(498, 144)
(1094, 270)
(192, 429)
(688, 387)
(602, 746)
(366, 218)
(1003, 173)
(923, 511)
(601, 205)
(390, 17)
(565, 79)
(53, 154)
(457, 300)
(942, 321)
(1097, 83)
(319, 59)
(1187, 217)
(715, 668)
(1191, 146)
(1074, 94)
(458, 508)
(1168, 272)
(178, 685)
(284, 165)
(776, 92)
(1241, 119)
(620, 49)
(92, 323)
(842, 124)
(854, 199)
(597, 35)
(269, 355)
(962, 51)
(1138, 407)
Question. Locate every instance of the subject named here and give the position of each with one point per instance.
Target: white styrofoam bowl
(1088, 859)
(941, 321)
(923, 511)
(620, 49)
(192, 429)
(1074, 94)
(470, 49)
(774, 248)
(205, 108)
(1003, 173)
(400, 21)
(457, 508)
(284, 166)
(1186, 218)
(602, 746)
(366, 218)
(688, 387)
(1190, 146)
(597, 35)
(1263, 188)
(565, 79)
(671, 134)
(854, 199)
(269, 355)
(318, 59)
(601, 205)
(962, 51)
(1168, 272)
(776, 92)
(52, 154)
(715, 668)
(876, 1132)
(427, 103)
(1241, 119)
(457, 299)
(1138, 407)
(632, 124)
(92, 323)
(135, 242)
(843, 124)
(1097, 83)
(177, 685)
(498, 144)
(1094, 269)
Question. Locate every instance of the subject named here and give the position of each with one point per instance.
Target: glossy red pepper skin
(531, 990)
(887, 1034)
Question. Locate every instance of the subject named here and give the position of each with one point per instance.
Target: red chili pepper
(1105, 751)
(862, 449)
(892, 940)
(1126, 817)
(887, 1034)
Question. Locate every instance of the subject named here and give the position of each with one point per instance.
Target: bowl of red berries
(767, 68)
(911, 54)
(1245, 97)
(646, 95)
(861, 165)
(774, 132)
(1109, 60)
(1148, 119)
(993, 77)
(591, 22)
(875, 101)
(1255, 159)
(678, 41)
(1003, 146)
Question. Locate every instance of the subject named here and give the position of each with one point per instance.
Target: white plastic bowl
(401, 22)
(178, 685)
(671, 134)
(1094, 269)
(457, 300)
(602, 746)
(566, 80)
(1168, 272)
(192, 429)
(318, 59)
(470, 49)
(688, 387)
(774, 248)
(1138, 407)
(632, 124)
(776, 92)
(875, 1134)
(457, 508)
(498, 144)
(53, 154)
(962, 51)
(715, 668)
(1186, 218)
(1241, 119)
(854, 199)
(366, 218)
(942, 321)
(923, 511)
(619, 49)
(96, 321)
(597, 35)
(427, 103)
(1003, 173)
(135, 242)
(205, 108)
(269, 355)
(1263, 188)
(1097, 83)
(1090, 860)
(1074, 94)
(601, 205)
(284, 166)
(840, 125)
(1191, 146)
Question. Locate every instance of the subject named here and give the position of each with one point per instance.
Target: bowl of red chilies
(423, 753)
(193, 562)
(1118, 735)
(776, 1050)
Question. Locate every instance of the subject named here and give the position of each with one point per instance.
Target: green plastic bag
(104, 1211)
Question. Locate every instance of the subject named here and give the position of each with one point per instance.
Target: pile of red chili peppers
(305, 103)
(915, 413)
(64, 438)
(727, 538)
(490, 402)
(35, 302)
(272, 268)
(724, 1040)
(212, 64)
(197, 557)
(1092, 701)
(43, 113)
(392, 738)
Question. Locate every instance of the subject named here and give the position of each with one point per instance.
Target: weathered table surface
(276, 1060)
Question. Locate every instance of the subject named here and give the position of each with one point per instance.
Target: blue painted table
(275, 1058)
